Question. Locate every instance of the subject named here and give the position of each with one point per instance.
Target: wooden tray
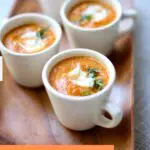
(26, 115)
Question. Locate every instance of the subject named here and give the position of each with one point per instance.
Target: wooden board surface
(26, 115)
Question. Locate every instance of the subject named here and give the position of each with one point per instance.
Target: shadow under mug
(100, 39)
(82, 113)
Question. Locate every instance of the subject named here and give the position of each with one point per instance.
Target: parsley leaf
(92, 72)
(86, 17)
(86, 93)
(41, 34)
(99, 84)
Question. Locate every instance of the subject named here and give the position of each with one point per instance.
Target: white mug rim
(35, 15)
(65, 19)
(47, 85)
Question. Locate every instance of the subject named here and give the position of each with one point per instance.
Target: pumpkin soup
(78, 76)
(29, 38)
(92, 14)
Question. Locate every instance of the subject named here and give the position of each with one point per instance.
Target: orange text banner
(53, 147)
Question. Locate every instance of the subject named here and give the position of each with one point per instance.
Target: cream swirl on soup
(79, 76)
(92, 14)
(30, 38)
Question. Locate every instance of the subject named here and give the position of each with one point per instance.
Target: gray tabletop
(142, 76)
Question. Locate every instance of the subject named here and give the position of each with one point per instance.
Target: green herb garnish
(92, 72)
(99, 84)
(86, 93)
(41, 34)
(86, 17)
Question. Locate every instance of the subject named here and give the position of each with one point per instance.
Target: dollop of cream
(80, 78)
(29, 35)
(98, 13)
(31, 43)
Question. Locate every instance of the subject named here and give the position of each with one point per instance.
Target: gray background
(142, 76)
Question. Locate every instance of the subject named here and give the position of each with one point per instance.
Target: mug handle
(128, 14)
(115, 113)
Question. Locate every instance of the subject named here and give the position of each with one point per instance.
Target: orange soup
(30, 38)
(92, 14)
(79, 76)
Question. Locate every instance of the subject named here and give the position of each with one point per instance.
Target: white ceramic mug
(100, 39)
(26, 69)
(51, 8)
(82, 113)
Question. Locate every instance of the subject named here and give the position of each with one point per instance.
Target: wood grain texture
(26, 115)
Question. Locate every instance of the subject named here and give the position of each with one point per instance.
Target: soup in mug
(29, 38)
(79, 76)
(92, 14)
